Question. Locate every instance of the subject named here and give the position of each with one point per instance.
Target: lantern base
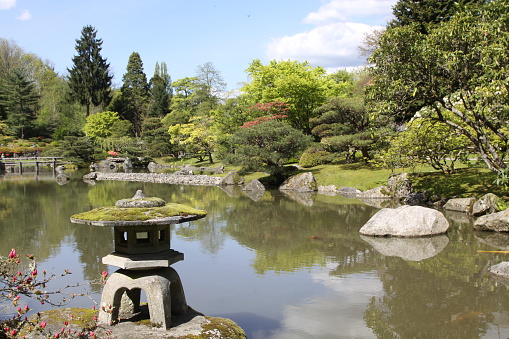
(143, 261)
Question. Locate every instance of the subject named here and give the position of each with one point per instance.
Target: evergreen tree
(135, 92)
(89, 78)
(424, 13)
(19, 100)
(160, 91)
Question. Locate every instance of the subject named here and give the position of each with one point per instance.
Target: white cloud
(6, 4)
(332, 45)
(25, 15)
(340, 26)
(347, 10)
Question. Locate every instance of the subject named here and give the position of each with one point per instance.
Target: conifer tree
(89, 78)
(160, 91)
(19, 99)
(424, 13)
(135, 92)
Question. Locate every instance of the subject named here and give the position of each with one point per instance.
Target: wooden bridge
(22, 164)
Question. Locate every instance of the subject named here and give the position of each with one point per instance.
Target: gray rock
(90, 176)
(303, 182)
(501, 270)
(158, 178)
(108, 164)
(417, 199)
(413, 249)
(406, 221)
(140, 200)
(128, 163)
(381, 192)
(254, 185)
(460, 204)
(191, 324)
(328, 190)
(496, 222)
(348, 191)
(399, 185)
(232, 178)
(487, 204)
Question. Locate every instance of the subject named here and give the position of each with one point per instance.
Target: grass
(465, 182)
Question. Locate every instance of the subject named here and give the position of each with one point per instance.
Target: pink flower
(34, 272)
(43, 324)
(12, 254)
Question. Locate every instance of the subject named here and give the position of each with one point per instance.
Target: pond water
(280, 266)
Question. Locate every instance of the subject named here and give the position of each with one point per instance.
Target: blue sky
(186, 34)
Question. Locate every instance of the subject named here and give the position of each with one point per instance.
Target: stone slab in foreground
(406, 221)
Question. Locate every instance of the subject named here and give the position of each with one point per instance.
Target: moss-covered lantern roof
(139, 210)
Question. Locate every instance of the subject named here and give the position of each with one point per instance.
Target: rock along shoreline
(159, 178)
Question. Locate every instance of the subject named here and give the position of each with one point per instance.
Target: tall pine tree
(160, 91)
(135, 92)
(89, 78)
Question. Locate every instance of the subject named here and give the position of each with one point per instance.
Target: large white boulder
(406, 221)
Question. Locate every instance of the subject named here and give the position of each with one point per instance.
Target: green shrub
(314, 158)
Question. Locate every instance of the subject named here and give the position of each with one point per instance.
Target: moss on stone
(219, 328)
(137, 214)
(79, 319)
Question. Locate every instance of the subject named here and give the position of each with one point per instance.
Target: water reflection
(281, 267)
(414, 249)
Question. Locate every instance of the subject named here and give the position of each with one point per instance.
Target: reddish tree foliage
(274, 110)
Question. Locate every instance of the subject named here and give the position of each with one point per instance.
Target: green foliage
(267, 146)
(425, 14)
(89, 77)
(458, 70)
(315, 156)
(78, 149)
(160, 92)
(464, 182)
(156, 138)
(134, 93)
(300, 85)
(19, 100)
(426, 142)
(100, 125)
(122, 128)
(196, 136)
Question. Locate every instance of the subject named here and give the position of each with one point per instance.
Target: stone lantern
(143, 255)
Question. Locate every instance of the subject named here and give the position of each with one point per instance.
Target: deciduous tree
(299, 84)
(459, 70)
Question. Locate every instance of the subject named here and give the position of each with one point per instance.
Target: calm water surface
(280, 266)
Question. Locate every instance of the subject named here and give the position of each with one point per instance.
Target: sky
(186, 34)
